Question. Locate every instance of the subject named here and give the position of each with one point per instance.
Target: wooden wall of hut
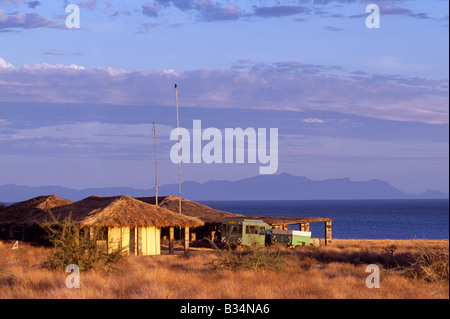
(135, 241)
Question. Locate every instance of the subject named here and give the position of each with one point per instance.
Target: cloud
(171, 72)
(204, 10)
(46, 66)
(289, 86)
(58, 53)
(146, 27)
(333, 28)
(33, 4)
(391, 9)
(150, 9)
(26, 21)
(85, 139)
(183, 5)
(88, 4)
(210, 11)
(5, 65)
(278, 11)
(16, 3)
(313, 120)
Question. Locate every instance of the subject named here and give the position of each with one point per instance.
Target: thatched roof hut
(190, 208)
(29, 212)
(122, 211)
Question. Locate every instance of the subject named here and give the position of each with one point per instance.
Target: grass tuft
(431, 265)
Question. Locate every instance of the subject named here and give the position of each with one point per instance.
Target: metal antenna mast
(179, 154)
(156, 166)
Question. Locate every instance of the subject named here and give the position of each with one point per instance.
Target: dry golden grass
(307, 272)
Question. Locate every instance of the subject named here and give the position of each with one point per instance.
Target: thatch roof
(286, 220)
(190, 208)
(122, 211)
(29, 212)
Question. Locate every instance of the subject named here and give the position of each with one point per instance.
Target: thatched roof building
(128, 223)
(122, 211)
(190, 208)
(29, 212)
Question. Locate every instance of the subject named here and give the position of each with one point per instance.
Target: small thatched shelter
(20, 221)
(128, 223)
(210, 216)
(282, 222)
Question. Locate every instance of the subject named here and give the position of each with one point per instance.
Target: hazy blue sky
(76, 105)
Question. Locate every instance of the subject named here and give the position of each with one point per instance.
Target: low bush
(430, 265)
(249, 258)
(81, 247)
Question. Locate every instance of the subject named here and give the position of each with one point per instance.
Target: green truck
(245, 232)
(291, 238)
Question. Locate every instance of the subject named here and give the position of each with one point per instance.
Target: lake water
(357, 219)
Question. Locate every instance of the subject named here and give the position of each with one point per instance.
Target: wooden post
(301, 227)
(327, 233)
(186, 240)
(213, 234)
(132, 245)
(306, 227)
(171, 240)
(139, 241)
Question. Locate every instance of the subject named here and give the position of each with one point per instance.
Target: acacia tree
(79, 246)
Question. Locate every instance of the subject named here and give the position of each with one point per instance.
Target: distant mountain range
(263, 187)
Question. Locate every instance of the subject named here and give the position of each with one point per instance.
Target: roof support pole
(186, 240)
(171, 240)
(327, 233)
(139, 241)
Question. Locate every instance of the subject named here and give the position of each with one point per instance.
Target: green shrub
(72, 245)
(250, 258)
